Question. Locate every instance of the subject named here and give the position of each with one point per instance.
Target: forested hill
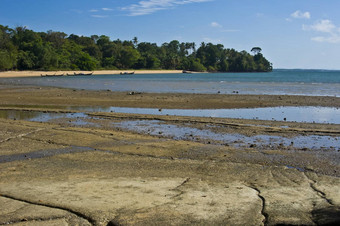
(24, 49)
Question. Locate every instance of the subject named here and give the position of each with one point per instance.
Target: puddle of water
(36, 116)
(298, 168)
(157, 128)
(291, 114)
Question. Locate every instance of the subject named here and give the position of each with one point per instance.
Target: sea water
(278, 82)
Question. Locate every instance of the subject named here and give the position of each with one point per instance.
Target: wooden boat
(86, 73)
(80, 74)
(186, 72)
(54, 75)
(127, 73)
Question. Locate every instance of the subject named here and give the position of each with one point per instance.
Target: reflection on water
(291, 114)
(37, 116)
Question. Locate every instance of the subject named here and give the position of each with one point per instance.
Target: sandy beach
(83, 169)
(14, 74)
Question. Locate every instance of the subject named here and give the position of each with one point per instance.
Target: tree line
(24, 49)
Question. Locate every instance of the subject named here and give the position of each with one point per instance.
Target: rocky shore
(63, 172)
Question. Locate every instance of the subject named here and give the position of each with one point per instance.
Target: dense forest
(24, 49)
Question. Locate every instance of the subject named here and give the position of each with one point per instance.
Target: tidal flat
(79, 167)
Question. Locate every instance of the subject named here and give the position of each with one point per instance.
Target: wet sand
(12, 95)
(59, 173)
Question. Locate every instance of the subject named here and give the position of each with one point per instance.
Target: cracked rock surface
(58, 174)
(112, 182)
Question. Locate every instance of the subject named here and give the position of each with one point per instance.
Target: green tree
(256, 50)
(8, 51)
(24, 49)
(129, 57)
(135, 42)
(262, 63)
(86, 62)
(195, 65)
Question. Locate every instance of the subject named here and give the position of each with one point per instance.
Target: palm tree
(135, 41)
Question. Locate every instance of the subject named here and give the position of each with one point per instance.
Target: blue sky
(292, 33)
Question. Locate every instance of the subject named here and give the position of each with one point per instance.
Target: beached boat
(86, 73)
(80, 74)
(127, 73)
(54, 75)
(186, 72)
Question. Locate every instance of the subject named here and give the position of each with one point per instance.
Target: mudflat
(12, 95)
(62, 172)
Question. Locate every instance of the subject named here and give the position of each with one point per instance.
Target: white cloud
(301, 15)
(326, 26)
(215, 24)
(332, 32)
(151, 6)
(331, 39)
(98, 11)
(107, 9)
(99, 16)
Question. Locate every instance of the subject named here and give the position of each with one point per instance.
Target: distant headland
(22, 49)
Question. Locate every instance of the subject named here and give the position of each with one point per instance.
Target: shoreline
(14, 74)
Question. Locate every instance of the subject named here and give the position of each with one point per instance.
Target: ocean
(278, 82)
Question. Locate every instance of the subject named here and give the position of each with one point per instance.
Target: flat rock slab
(101, 177)
(16, 212)
(137, 200)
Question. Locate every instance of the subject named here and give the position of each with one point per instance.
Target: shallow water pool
(291, 114)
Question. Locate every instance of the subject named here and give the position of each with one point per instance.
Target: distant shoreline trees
(24, 49)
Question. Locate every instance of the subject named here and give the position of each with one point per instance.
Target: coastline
(14, 74)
